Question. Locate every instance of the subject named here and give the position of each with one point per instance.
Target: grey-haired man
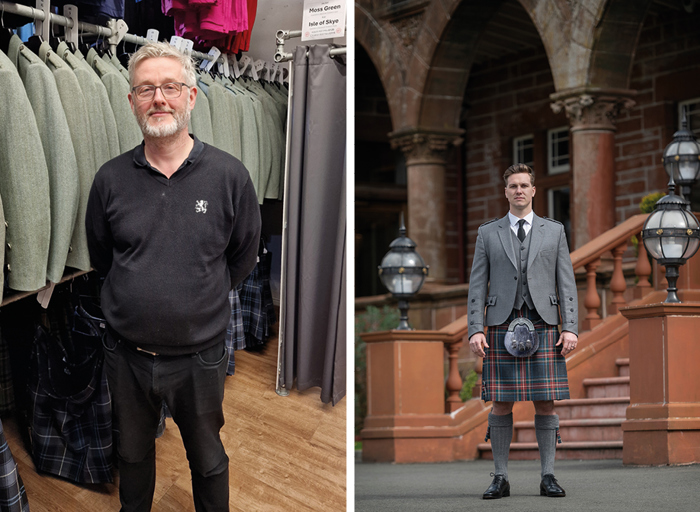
(173, 225)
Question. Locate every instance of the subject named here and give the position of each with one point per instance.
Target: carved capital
(590, 109)
(423, 147)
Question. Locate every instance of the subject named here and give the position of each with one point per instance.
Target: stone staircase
(590, 427)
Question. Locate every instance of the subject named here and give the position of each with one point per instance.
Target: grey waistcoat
(522, 250)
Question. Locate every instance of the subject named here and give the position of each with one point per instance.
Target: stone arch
(441, 72)
(588, 44)
(614, 43)
(384, 55)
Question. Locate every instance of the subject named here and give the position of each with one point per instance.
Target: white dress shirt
(514, 222)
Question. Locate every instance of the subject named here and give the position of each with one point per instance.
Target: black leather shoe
(551, 488)
(499, 488)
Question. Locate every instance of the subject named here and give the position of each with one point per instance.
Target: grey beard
(162, 130)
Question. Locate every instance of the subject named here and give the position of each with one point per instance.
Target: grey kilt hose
(542, 376)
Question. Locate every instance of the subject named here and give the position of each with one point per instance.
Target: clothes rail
(283, 35)
(88, 28)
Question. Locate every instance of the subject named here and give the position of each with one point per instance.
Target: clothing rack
(283, 35)
(114, 32)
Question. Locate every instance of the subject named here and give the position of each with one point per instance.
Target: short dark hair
(517, 169)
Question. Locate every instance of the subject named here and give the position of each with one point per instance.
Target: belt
(130, 344)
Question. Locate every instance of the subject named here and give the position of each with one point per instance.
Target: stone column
(592, 114)
(426, 155)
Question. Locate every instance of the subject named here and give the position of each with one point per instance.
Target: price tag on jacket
(323, 19)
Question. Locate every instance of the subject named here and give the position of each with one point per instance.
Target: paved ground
(591, 486)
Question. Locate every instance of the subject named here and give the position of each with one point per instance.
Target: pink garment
(225, 17)
(186, 24)
(169, 7)
(218, 22)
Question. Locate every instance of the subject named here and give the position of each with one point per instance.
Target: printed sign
(323, 19)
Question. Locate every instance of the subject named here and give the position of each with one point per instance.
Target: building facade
(449, 93)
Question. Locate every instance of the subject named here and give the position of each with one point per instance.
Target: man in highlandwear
(522, 276)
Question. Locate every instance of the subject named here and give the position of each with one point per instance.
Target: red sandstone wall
(666, 70)
(510, 97)
(505, 98)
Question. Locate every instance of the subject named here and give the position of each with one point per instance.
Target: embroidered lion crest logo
(200, 206)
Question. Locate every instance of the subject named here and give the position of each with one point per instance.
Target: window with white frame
(523, 152)
(558, 160)
(692, 112)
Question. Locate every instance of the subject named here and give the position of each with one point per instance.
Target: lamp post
(402, 272)
(682, 158)
(671, 235)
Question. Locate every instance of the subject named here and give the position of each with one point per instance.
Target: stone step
(589, 450)
(607, 387)
(578, 430)
(623, 366)
(581, 408)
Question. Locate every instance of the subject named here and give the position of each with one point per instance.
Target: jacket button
(571, 298)
(471, 323)
(472, 300)
(471, 312)
(9, 245)
(572, 310)
(572, 321)
(515, 277)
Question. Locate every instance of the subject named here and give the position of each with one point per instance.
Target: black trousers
(193, 388)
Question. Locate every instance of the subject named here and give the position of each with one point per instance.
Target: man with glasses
(172, 225)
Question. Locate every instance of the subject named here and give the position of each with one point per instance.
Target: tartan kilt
(542, 376)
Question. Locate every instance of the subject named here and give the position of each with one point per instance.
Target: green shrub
(649, 201)
(371, 320)
(468, 385)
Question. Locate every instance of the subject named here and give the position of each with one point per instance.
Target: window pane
(692, 109)
(558, 150)
(523, 150)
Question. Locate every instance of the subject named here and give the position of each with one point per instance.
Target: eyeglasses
(147, 92)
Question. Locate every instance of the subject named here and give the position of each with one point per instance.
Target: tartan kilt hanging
(542, 376)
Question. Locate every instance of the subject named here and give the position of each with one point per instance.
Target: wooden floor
(286, 453)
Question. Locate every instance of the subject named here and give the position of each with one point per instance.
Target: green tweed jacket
(246, 125)
(75, 107)
(85, 77)
(60, 158)
(118, 91)
(220, 114)
(102, 101)
(24, 186)
(200, 122)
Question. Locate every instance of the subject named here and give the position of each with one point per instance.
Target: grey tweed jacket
(550, 276)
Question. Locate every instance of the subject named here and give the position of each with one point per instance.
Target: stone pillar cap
(592, 91)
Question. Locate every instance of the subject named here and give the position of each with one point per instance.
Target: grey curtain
(312, 348)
